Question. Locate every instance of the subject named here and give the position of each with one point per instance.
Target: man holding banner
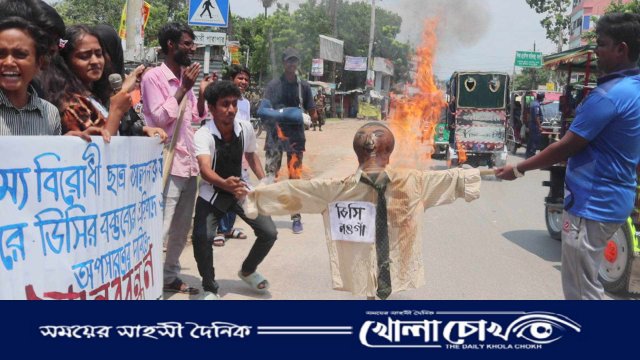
(169, 103)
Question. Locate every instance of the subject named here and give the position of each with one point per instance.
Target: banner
(383, 65)
(122, 30)
(317, 67)
(80, 220)
(331, 49)
(352, 63)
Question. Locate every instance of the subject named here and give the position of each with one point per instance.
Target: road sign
(210, 38)
(528, 59)
(209, 12)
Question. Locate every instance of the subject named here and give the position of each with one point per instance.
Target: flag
(122, 30)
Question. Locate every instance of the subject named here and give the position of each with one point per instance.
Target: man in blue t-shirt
(603, 147)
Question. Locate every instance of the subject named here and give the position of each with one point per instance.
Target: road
(495, 248)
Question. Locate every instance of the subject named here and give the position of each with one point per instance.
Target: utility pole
(334, 20)
(134, 30)
(533, 72)
(372, 31)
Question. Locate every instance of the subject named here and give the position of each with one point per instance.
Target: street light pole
(371, 36)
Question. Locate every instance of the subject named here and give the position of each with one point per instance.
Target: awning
(575, 58)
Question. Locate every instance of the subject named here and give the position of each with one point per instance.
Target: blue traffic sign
(209, 12)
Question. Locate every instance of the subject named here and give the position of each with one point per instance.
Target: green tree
(556, 20)
(631, 7)
(300, 29)
(266, 4)
(530, 79)
(110, 11)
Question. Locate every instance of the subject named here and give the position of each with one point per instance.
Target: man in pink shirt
(163, 88)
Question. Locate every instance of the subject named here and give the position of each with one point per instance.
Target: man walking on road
(603, 147)
(163, 89)
(535, 126)
(288, 91)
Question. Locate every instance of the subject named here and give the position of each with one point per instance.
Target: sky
(473, 34)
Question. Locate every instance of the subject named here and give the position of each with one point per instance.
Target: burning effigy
(372, 218)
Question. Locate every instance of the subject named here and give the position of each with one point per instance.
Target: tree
(530, 79)
(556, 22)
(300, 29)
(631, 7)
(109, 12)
(267, 4)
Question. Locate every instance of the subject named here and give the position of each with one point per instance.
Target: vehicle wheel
(616, 266)
(553, 219)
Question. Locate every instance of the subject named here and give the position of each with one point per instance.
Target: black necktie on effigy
(382, 235)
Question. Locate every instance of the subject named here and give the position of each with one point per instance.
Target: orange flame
(462, 154)
(414, 119)
(295, 172)
(281, 135)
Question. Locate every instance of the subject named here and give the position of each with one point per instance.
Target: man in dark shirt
(288, 91)
(535, 129)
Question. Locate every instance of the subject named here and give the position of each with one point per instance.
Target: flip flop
(219, 240)
(180, 287)
(236, 234)
(254, 280)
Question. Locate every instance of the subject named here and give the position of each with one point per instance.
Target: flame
(294, 172)
(281, 135)
(462, 154)
(414, 119)
(299, 172)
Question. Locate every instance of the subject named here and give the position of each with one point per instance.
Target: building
(581, 18)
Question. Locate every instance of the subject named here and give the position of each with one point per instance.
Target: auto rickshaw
(479, 109)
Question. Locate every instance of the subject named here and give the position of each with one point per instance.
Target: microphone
(115, 80)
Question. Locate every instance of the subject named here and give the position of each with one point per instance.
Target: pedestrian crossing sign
(209, 12)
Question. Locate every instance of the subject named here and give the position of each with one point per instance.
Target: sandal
(179, 286)
(254, 280)
(236, 234)
(219, 240)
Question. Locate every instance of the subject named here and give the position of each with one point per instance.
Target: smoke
(462, 22)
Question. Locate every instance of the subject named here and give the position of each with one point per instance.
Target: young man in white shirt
(220, 145)
(241, 77)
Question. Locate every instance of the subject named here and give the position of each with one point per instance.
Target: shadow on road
(536, 242)
(240, 288)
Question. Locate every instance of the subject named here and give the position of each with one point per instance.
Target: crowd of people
(58, 80)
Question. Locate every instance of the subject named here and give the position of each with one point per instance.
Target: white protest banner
(353, 221)
(80, 220)
(352, 63)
